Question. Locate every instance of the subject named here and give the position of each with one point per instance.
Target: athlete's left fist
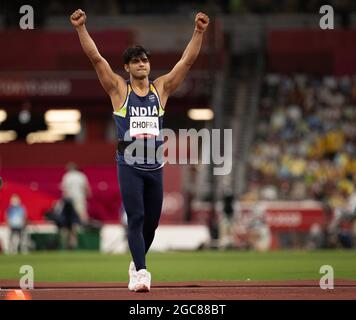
(201, 22)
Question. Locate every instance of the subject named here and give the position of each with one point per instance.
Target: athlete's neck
(139, 85)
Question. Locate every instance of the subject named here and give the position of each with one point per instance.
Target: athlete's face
(139, 67)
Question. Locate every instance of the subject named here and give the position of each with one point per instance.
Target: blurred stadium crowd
(305, 144)
(305, 140)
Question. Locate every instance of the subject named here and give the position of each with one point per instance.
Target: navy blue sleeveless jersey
(140, 121)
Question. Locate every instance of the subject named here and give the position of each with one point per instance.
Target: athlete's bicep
(175, 77)
(110, 81)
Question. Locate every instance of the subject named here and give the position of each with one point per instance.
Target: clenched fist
(78, 18)
(201, 22)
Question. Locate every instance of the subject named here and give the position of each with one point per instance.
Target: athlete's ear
(126, 66)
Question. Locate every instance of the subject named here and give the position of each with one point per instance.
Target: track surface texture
(195, 290)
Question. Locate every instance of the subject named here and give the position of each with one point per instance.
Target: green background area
(182, 266)
(89, 240)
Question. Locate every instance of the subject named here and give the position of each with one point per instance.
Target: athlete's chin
(141, 76)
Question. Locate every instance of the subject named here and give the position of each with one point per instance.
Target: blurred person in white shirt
(75, 186)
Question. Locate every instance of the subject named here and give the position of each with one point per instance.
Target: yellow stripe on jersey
(122, 111)
(161, 110)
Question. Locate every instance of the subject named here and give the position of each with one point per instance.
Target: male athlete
(139, 106)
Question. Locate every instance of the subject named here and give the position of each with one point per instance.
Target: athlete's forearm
(88, 44)
(192, 50)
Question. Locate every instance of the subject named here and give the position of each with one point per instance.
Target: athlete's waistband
(154, 168)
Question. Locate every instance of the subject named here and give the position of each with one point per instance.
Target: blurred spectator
(68, 222)
(340, 228)
(17, 219)
(227, 221)
(258, 231)
(75, 187)
(352, 209)
(315, 238)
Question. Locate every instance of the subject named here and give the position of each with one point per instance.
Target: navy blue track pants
(142, 196)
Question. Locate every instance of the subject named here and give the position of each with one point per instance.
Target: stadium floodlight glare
(64, 127)
(43, 137)
(24, 116)
(201, 114)
(67, 115)
(3, 115)
(7, 136)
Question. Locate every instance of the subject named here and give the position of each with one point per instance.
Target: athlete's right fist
(78, 18)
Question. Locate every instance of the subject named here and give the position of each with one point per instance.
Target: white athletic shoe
(132, 276)
(143, 281)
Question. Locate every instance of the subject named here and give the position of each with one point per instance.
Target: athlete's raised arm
(111, 82)
(169, 82)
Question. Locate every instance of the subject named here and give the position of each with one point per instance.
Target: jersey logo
(151, 97)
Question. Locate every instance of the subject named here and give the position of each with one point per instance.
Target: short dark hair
(134, 52)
